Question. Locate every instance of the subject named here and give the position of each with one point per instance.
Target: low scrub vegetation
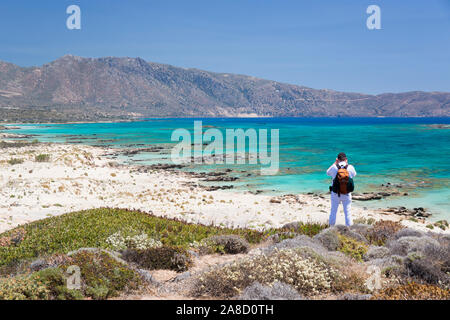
(352, 247)
(112, 229)
(165, 257)
(308, 229)
(103, 275)
(14, 161)
(308, 275)
(413, 291)
(17, 144)
(382, 231)
(276, 291)
(94, 228)
(224, 244)
(42, 158)
(114, 250)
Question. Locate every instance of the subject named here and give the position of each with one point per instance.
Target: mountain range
(132, 87)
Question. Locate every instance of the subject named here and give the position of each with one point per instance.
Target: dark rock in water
(256, 191)
(78, 138)
(366, 197)
(423, 214)
(384, 194)
(166, 166)
(215, 174)
(220, 178)
(415, 212)
(131, 152)
(214, 188)
(439, 126)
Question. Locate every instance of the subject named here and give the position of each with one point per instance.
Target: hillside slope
(134, 87)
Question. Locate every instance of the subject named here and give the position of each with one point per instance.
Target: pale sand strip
(80, 177)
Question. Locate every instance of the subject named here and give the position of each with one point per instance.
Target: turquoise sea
(409, 151)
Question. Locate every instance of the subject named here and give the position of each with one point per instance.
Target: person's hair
(342, 156)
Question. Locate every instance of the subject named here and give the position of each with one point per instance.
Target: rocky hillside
(133, 87)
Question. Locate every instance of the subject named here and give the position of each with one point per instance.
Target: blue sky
(319, 44)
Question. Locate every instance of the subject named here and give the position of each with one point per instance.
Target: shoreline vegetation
(151, 232)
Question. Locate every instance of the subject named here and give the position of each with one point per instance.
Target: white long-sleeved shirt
(333, 170)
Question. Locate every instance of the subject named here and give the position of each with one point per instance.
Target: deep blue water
(396, 150)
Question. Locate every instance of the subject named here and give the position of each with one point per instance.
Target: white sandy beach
(83, 177)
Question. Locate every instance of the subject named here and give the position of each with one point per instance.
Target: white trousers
(346, 200)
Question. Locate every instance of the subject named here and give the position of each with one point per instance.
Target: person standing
(342, 174)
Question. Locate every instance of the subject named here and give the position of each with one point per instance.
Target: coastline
(79, 177)
(140, 119)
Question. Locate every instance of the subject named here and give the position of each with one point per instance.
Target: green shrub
(55, 281)
(91, 228)
(308, 229)
(23, 288)
(166, 257)
(229, 244)
(352, 247)
(42, 158)
(14, 161)
(102, 275)
(443, 224)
